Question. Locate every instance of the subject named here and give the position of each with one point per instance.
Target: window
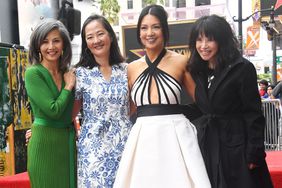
(179, 3)
(129, 4)
(202, 2)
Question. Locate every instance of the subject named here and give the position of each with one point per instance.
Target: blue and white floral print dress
(105, 125)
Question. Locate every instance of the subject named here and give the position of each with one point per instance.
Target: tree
(109, 9)
(147, 2)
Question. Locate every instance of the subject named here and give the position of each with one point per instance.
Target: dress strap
(168, 88)
(152, 66)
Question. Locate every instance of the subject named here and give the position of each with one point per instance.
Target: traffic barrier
(273, 130)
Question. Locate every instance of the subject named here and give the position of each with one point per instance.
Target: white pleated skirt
(162, 152)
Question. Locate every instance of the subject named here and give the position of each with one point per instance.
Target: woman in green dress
(51, 156)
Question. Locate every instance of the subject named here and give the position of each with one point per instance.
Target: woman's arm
(76, 108)
(189, 84)
(253, 117)
(39, 93)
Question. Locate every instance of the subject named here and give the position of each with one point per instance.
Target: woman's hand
(69, 78)
(252, 166)
(77, 126)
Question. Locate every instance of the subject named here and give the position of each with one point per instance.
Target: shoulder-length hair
(87, 59)
(160, 13)
(218, 29)
(38, 36)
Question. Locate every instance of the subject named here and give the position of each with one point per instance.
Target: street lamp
(271, 34)
(271, 23)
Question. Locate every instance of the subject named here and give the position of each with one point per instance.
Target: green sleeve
(41, 96)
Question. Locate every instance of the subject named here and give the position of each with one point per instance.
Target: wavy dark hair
(40, 33)
(159, 12)
(87, 59)
(218, 29)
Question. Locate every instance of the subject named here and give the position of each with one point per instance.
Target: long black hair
(87, 59)
(218, 29)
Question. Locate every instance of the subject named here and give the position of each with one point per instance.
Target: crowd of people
(222, 148)
(270, 91)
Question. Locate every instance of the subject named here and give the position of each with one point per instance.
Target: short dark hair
(159, 12)
(40, 33)
(264, 82)
(86, 57)
(270, 86)
(218, 29)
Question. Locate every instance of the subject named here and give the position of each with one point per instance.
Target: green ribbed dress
(51, 149)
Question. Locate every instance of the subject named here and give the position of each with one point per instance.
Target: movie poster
(7, 166)
(21, 105)
(6, 111)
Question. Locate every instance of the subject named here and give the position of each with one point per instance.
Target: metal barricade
(273, 130)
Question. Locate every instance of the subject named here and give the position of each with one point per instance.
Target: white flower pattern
(105, 125)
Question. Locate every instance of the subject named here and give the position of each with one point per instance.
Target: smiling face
(151, 34)
(207, 48)
(97, 39)
(52, 47)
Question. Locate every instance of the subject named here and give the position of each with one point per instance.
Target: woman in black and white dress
(162, 149)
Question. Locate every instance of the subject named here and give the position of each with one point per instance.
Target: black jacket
(231, 129)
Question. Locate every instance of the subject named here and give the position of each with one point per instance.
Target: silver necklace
(210, 78)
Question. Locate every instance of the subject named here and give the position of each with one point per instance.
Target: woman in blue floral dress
(102, 92)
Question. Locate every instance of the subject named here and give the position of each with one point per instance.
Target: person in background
(162, 149)
(269, 90)
(231, 129)
(272, 113)
(277, 92)
(262, 88)
(49, 84)
(102, 93)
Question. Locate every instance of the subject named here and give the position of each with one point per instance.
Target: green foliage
(148, 2)
(266, 76)
(109, 9)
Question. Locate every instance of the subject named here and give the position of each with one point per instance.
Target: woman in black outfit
(231, 129)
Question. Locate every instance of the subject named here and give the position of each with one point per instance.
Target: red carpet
(274, 163)
(273, 159)
(17, 181)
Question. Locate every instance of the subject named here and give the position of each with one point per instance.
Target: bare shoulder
(177, 59)
(135, 68)
(136, 63)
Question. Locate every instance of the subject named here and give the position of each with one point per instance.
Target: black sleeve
(253, 117)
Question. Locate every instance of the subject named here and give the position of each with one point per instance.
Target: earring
(40, 57)
(62, 53)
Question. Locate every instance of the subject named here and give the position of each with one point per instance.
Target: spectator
(262, 88)
(277, 92)
(269, 90)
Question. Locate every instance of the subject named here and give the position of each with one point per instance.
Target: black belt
(158, 109)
